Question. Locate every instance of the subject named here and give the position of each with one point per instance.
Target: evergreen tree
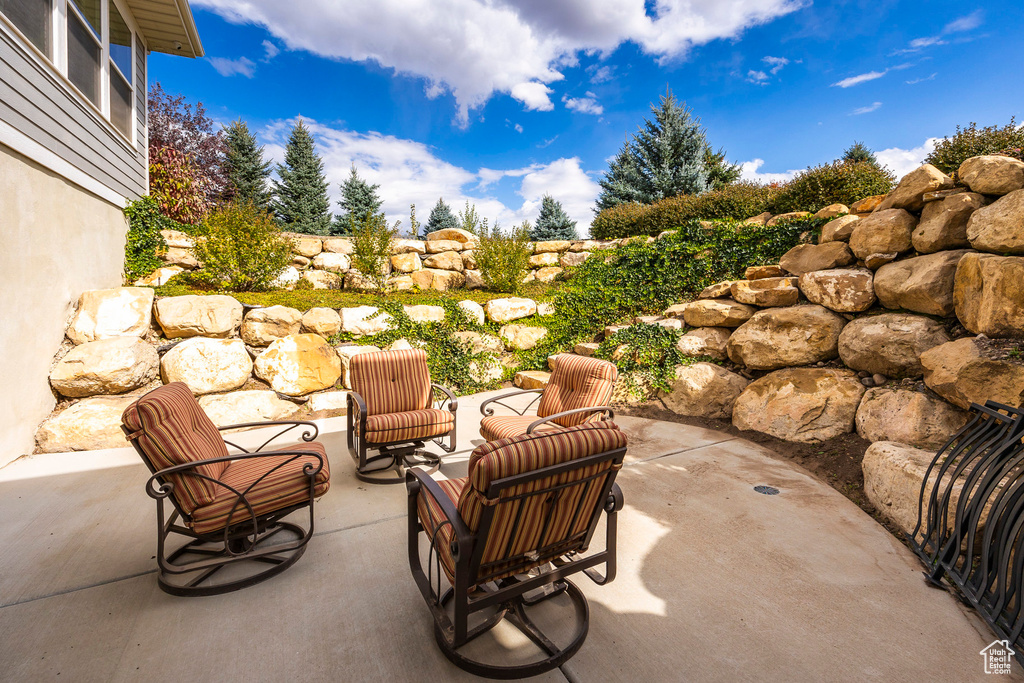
(666, 157)
(359, 202)
(248, 173)
(302, 204)
(857, 152)
(441, 218)
(553, 223)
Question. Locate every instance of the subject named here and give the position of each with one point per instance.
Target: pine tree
(248, 173)
(441, 218)
(302, 204)
(857, 152)
(553, 223)
(359, 202)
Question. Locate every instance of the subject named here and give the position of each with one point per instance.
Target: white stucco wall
(56, 241)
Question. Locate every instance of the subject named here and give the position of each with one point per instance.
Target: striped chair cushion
(497, 427)
(391, 381)
(281, 488)
(409, 426)
(174, 430)
(431, 516)
(577, 382)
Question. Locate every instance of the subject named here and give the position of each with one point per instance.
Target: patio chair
(231, 506)
(509, 534)
(578, 392)
(392, 410)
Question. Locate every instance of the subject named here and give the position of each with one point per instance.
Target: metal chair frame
(553, 564)
(485, 409)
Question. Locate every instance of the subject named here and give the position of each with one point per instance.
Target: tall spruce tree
(359, 202)
(248, 173)
(301, 202)
(858, 152)
(553, 223)
(666, 157)
(441, 218)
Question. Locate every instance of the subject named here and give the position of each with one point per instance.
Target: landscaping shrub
(241, 249)
(646, 356)
(971, 141)
(503, 259)
(839, 182)
(371, 248)
(143, 243)
(621, 220)
(176, 186)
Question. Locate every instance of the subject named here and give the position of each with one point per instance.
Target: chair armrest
(289, 425)
(615, 500)
(453, 403)
(354, 397)
(165, 488)
(419, 481)
(485, 411)
(609, 414)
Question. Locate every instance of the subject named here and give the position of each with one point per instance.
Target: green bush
(836, 183)
(143, 243)
(241, 249)
(971, 141)
(646, 356)
(371, 248)
(503, 259)
(621, 220)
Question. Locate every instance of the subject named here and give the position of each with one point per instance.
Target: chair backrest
(391, 381)
(525, 515)
(577, 382)
(171, 430)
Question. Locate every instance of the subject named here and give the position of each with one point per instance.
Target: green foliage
(441, 218)
(835, 183)
(646, 356)
(858, 152)
(143, 242)
(503, 259)
(553, 223)
(371, 248)
(720, 172)
(359, 203)
(302, 204)
(241, 249)
(620, 220)
(176, 186)
(247, 171)
(469, 219)
(971, 141)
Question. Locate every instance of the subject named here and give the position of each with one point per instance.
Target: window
(32, 17)
(84, 47)
(120, 71)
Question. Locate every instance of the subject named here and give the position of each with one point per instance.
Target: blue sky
(497, 102)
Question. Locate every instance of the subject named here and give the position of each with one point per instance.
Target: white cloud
(270, 51)
(963, 24)
(776, 63)
(583, 105)
(234, 67)
(749, 171)
(409, 172)
(903, 161)
(860, 78)
(915, 81)
(475, 48)
(866, 110)
(759, 77)
(519, 128)
(600, 74)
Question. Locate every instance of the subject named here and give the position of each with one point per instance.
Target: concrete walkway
(716, 582)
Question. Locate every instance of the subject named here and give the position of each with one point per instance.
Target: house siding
(39, 105)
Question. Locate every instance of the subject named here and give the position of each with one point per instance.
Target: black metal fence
(970, 526)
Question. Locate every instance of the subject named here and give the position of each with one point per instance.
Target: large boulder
(572, 259)
(307, 247)
(548, 274)
(408, 247)
(473, 311)
(198, 316)
(159, 277)
(785, 337)
(867, 204)
(345, 354)
(299, 364)
(407, 262)
(893, 473)
(425, 314)
(332, 261)
(207, 366)
(988, 294)
(705, 341)
(805, 258)
(759, 272)
(531, 379)
(766, 292)
(703, 390)
(323, 321)
(363, 321)
(439, 280)
(89, 425)
(505, 310)
(890, 344)
(453, 234)
(719, 290)
(910, 417)
(883, 232)
(965, 371)
(809, 405)
(551, 246)
(845, 291)
(469, 260)
(339, 245)
(183, 258)
(264, 325)
(716, 313)
(323, 279)
(107, 366)
(106, 313)
(923, 284)
(792, 215)
(544, 260)
(832, 210)
(445, 260)
(239, 407)
(992, 174)
(441, 246)
(838, 230)
(909, 194)
(521, 337)
(999, 227)
(944, 223)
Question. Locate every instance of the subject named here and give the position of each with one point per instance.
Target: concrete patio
(716, 582)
